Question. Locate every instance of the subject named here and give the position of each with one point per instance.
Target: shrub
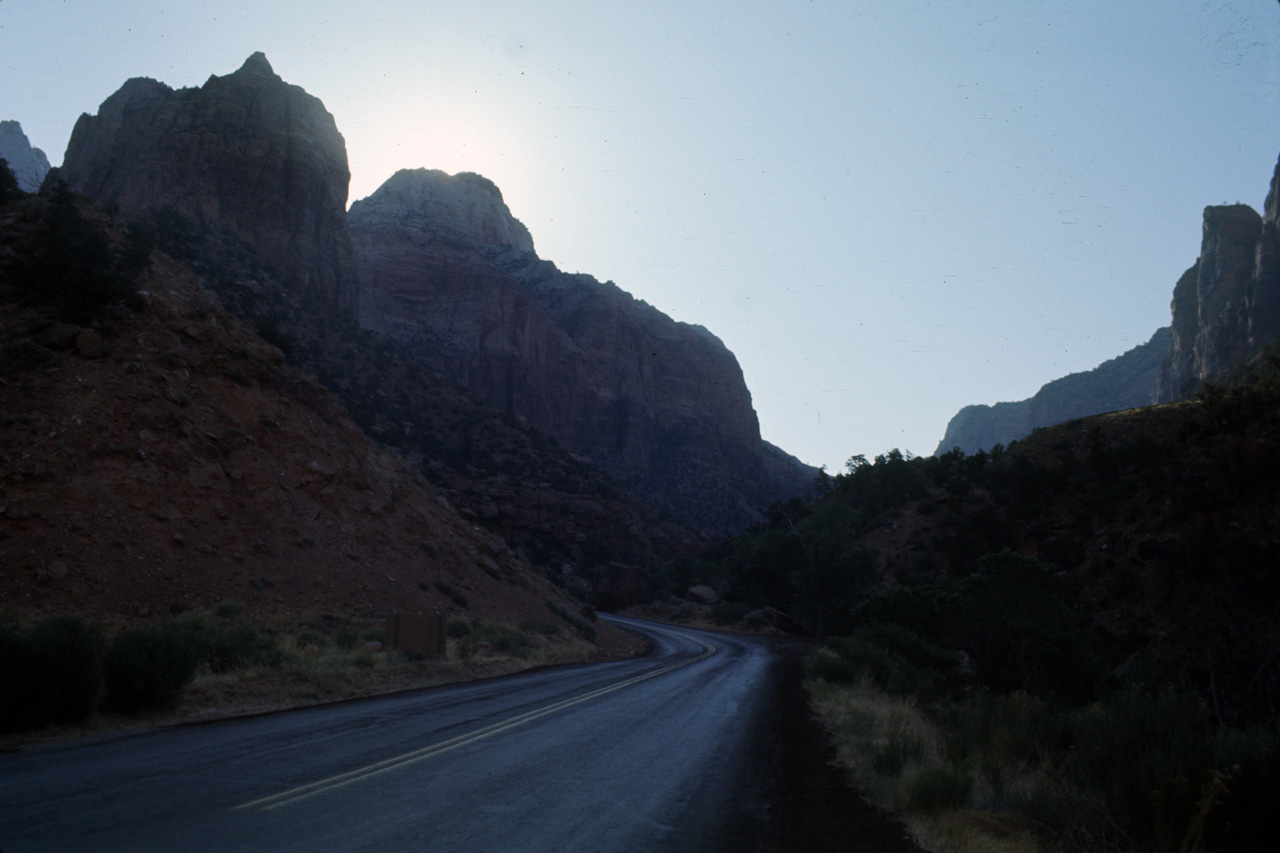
(448, 589)
(9, 189)
(311, 638)
(889, 670)
(584, 627)
(537, 626)
(228, 610)
(731, 612)
(898, 750)
(239, 644)
(500, 638)
(53, 672)
(938, 788)
(148, 667)
(346, 639)
(72, 267)
(829, 666)
(457, 629)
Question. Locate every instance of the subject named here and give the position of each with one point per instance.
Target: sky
(887, 209)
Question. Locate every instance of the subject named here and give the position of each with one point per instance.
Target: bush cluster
(63, 669)
(69, 266)
(581, 623)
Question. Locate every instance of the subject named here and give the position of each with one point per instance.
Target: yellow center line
(303, 792)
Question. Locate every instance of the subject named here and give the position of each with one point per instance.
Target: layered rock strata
(447, 271)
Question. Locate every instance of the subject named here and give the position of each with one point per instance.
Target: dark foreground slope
(156, 454)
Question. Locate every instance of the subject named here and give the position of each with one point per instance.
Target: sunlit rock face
(447, 271)
(1210, 304)
(1123, 382)
(257, 164)
(29, 165)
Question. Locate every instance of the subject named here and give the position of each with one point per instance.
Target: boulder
(702, 595)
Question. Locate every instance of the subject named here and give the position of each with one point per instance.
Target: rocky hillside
(1225, 309)
(255, 164)
(160, 453)
(449, 273)
(252, 173)
(1123, 382)
(29, 165)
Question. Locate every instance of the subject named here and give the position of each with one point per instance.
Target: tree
(9, 189)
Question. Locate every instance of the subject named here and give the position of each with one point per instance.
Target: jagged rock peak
(467, 206)
(29, 165)
(257, 64)
(253, 161)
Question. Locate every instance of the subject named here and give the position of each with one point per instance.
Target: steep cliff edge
(29, 165)
(1225, 308)
(1210, 312)
(255, 163)
(1124, 382)
(450, 274)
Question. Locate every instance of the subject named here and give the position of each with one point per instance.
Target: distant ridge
(1225, 308)
(29, 165)
(1124, 382)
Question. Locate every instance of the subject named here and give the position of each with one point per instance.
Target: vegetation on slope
(1074, 638)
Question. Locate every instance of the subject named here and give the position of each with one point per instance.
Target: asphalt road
(658, 753)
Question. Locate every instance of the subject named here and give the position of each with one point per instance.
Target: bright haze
(888, 209)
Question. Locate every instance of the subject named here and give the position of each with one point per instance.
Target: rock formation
(1123, 382)
(450, 274)
(29, 165)
(1263, 300)
(1210, 314)
(253, 162)
(180, 460)
(1225, 307)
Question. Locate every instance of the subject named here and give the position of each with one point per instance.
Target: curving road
(663, 752)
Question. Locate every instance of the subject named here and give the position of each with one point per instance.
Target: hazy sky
(888, 209)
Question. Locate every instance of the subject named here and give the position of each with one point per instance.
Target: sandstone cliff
(1263, 300)
(1209, 307)
(1224, 309)
(1123, 382)
(167, 455)
(450, 274)
(257, 164)
(29, 165)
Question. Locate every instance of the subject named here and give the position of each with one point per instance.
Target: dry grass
(887, 745)
(311, 676)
